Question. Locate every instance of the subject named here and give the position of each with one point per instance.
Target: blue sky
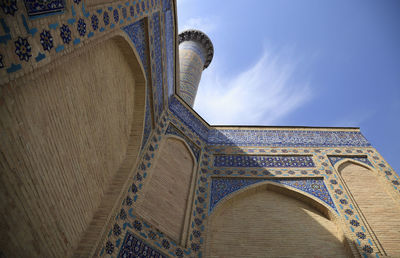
(309, 62)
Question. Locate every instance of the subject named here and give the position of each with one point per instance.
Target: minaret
(195, 54)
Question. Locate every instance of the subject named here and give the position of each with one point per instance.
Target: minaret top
(203, 39)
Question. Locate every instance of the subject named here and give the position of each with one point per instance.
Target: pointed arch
(168, 192)
(374, 202)
(71, 139)
(343, 161)
(269, 210)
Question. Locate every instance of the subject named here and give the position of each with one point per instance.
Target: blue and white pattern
(65, 34)
(157, 71)
(336, 159)
(287, 138)
(95, 22)
(147, 120)
(169, 46)
(81, 27)
(46, 40)
(34, 7)
(263, 161)
(222, 187)
(188, 118)
(9, 7)
(174, 131)
(136, 32)
(135, 247)
(23, 49)
(267, 137)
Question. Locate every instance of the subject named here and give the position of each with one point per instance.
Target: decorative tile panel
(136, 247)
(137, 34)
(288, 138)
(188, 118)
(35, 8)
(169, 46)
(267, 137)
(174, 131)
(222, 187)
(263, 161)
(157, 70)
(336, 159)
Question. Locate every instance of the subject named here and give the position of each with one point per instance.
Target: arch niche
(71, 134)
(168, 193)
(371, 194)
(271, 220)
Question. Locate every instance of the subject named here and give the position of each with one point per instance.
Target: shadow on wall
(274, 221)
(69, 141)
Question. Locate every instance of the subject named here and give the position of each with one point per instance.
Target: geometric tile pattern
(288, 138)
(174, 131)
(266, 137)
(34, 7)
(335, 159)
(222, 187)
(157, 73)
(169, 45)
(262, 161)
(137, 34)
(135, 247)
(187, 117)
(90, 23)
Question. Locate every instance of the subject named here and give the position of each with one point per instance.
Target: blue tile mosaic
(147, 120)
(336, 159)
(35, 8)
(188, 118)
(287, 138)
(222, 187)
(263, 161)
(174, 131)
(267, 137)
(157, 72)
(137, 34)
(135, 247)
(166, 4)
(169, 46)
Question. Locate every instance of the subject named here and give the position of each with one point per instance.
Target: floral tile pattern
(262, 161)
(133, 246)
(222, 187)
(157, 66)
(169, 46)
(174, 131)
(336, 159)
(34, 7)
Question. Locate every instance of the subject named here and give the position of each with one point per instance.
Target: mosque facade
(103, 155)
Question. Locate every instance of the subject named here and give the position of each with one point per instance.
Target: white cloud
(261, 95)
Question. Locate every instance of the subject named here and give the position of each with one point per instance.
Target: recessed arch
(317, 203)
(374, 202)
(168, 191)
(267, 210)
(71, 140)
(340, 163)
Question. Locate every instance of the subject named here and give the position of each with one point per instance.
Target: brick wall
(166, 194)
(65, 134)
(263, 223)
(380, 210)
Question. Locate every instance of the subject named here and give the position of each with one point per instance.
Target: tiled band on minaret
(195, 54)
